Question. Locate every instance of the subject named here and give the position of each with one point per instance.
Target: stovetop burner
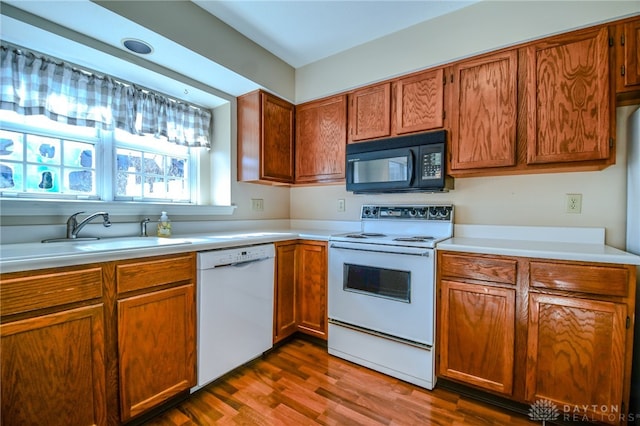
(417, 238)
(365, 235)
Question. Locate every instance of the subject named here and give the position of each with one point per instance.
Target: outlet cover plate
(574, 203)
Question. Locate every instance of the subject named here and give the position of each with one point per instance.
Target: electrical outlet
(574, 203)
(341, 205)
(257, 204)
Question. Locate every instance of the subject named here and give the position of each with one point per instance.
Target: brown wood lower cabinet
(576, 353)
(301, 289)
(311, 286)
(156, 312)
(558, 331)
(53, 369)
(96, 344)
(284, 317)
(477, 335)
(156, 348)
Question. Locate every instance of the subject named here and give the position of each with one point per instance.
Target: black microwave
(412, 163)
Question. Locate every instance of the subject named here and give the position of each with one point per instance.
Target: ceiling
(304, 31)
(297, 31)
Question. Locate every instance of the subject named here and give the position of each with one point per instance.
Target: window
(146, 169)
(42, 158)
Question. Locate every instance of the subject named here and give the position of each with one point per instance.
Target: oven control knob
(422, 212)
(413, 212)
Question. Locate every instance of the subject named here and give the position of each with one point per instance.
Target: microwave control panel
(431, 164)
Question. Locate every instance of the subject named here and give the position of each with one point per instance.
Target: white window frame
(213, 197)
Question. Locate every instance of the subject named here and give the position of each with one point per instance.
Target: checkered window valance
(32, 84)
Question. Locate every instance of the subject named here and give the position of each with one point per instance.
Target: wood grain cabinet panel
(479, 268)
(284, 324)
(627, 41)
(24, 292)
(370, 112)
(484, 101)
(477, 328)
(301, 289)
(265, 138)
(156, 348)
(148, 273)
(569, 98)
(53, 369)
(311, 288)
(419, 102)
(584, 278)
(576, 354)
(321, 140)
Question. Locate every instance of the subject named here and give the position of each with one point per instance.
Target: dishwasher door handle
(243, 263)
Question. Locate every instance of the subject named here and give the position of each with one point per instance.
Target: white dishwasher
(235, 308)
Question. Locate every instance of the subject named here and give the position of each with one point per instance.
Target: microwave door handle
(412, 162)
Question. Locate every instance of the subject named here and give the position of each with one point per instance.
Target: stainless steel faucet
(143, 226)
(73, 227)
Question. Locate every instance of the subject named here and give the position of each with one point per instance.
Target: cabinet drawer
(585, 278)
(28, 292)
(479, 268)
(151, 273)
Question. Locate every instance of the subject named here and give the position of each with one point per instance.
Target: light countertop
(541, 249)
(560, 243)
(31, 256)
(551, 243)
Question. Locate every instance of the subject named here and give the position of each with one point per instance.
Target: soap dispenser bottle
(164, 225)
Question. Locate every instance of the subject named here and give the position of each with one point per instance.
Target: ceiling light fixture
(137, 46)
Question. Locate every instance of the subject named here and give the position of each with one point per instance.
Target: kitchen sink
(109, 244)
(70, 247)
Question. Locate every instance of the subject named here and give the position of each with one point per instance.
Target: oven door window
(380, 282)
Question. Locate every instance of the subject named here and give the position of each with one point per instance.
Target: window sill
(34, 207)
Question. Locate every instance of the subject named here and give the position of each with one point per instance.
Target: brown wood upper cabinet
(483, 112)
(321, 139)
(410, 104)
(627, 70)
(265, 138)
(370, 112)
(569, 98)
(418, 102)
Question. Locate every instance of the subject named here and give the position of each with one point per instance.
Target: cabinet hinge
(622, 70)
(622, 40)
(451, 77)
(628, 324)
(611, 143)
(611, 42)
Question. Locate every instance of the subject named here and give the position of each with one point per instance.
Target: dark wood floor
(299, 383)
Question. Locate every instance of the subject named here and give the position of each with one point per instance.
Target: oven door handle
(379, 248)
